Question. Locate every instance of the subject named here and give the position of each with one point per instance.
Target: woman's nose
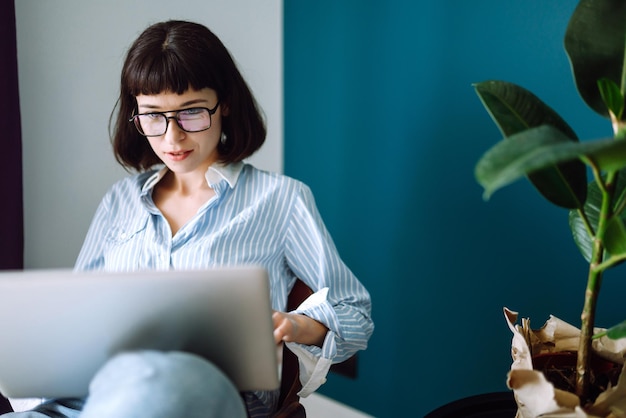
(173, 132)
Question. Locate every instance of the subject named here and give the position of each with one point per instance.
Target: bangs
(163, 72)
(174, 56)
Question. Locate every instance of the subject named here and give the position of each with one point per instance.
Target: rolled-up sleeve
(340, 301)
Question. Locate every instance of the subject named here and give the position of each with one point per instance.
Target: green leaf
(611, 96)
(616, 332)
(615, 236)
(514, 110)
(595, 42)
(608, 154)
(615, 241)
(537, 148)
(582, 237)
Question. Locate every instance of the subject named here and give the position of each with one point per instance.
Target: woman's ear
(224, 109)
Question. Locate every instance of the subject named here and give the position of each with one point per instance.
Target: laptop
(59, 327)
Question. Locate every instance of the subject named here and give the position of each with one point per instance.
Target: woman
(186, 121)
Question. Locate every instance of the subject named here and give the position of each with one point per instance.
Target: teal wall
(382, 122)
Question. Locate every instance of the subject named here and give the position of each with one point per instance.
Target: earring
(223, 138)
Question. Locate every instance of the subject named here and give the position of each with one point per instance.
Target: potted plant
(540, 145)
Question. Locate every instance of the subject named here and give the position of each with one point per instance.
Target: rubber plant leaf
(595, 40)
(537, 148)
(616, 332)
(515, 109)
(611, 96)
(615, 236)
(615, 239)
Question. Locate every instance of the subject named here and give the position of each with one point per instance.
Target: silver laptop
(59, 327)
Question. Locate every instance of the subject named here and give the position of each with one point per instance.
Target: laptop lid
(59, 327)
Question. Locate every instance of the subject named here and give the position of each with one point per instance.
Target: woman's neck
(179, 197)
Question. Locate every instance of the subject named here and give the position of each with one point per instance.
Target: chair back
(289, 405)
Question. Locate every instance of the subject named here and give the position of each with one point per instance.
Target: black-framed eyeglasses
(195, 119)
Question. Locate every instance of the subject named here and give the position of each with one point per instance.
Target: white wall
(70, 54)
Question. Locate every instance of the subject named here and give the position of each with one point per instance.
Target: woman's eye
(193, 111)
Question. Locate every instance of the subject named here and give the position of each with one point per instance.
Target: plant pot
(543, 382)
(488, 405)
(560, 369)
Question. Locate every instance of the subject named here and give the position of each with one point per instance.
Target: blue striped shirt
(255, 217)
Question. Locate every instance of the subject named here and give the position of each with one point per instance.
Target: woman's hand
(289, 327)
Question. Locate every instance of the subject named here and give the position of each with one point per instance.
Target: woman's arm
(340, 302)
(297, 328)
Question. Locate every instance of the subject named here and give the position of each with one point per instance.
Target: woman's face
(184, 152)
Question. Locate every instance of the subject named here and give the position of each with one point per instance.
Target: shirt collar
(153, 180)
(214, 175)
(218, 172)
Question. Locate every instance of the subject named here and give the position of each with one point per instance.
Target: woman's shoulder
(270, 178)
(283, 190)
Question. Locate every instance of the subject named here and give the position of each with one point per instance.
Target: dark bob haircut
(174, 56)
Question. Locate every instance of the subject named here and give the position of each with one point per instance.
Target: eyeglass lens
(190, 120)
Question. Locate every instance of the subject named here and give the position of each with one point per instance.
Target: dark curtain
(11, 205)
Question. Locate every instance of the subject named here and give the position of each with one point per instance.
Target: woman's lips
(178, 155)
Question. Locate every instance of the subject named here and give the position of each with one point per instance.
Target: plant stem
(587, 324)
(594, 281)
(611, 261)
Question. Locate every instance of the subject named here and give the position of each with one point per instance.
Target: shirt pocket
(126, 230)
(125, 242)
